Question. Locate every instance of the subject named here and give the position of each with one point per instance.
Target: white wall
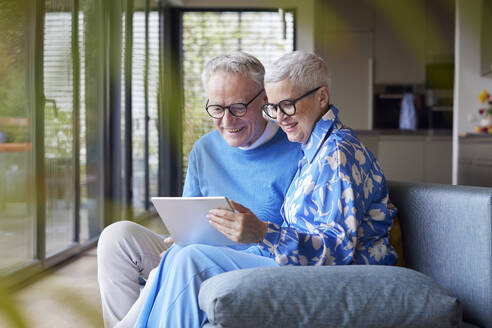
(468, 81)
(304, 14)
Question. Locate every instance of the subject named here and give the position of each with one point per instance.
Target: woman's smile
(289, 127)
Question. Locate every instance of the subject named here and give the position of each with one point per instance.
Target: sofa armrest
(330, 296)
(447, 235)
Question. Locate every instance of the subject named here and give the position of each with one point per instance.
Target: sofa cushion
(330, 296)
(447, 235)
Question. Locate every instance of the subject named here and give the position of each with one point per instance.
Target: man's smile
(234, 130)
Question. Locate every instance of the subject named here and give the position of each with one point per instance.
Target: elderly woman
(336, 210)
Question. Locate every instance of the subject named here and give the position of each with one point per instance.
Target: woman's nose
(280, 116)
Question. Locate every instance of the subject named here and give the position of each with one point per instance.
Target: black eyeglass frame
(207, 106)
(290, 101)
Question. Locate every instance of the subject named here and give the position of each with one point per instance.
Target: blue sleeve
(192, 183)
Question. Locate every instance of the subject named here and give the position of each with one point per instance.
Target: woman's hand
(168, 242)
(240, 226)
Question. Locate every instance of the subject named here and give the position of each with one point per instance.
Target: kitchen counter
(487, 136)
(405, 155)
(475, 160)
(398, 132)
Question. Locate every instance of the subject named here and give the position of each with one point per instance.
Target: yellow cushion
(396, 242)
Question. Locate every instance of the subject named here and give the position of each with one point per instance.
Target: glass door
(144, 89)
(58, 126)
(17, 225)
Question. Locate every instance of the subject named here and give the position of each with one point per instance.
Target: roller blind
(145, 69)
(58, 127)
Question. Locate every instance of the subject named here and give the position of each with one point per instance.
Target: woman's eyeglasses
(287, 106)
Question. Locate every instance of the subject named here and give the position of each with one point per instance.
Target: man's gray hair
(235, 62)
(304, 69)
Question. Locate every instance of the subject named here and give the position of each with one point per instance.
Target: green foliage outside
(12, 68)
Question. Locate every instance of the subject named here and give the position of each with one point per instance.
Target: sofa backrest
(447, 235)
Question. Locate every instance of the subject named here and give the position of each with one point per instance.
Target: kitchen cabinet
(438, 157)
(380, 42)
(345, 39)
(346, 15)
(439, 31)
(399, 42)
(409, 35)
(415, 157)
(352, 58)
(402, 157)
(475, 161)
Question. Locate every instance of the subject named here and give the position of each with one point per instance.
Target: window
(90, 123)
(17, 209)
(264, 34)
(58, 126)
(71, 121)
(85, 202)
(145, 85)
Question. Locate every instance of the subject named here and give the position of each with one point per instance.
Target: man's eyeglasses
(287, 106)
(236, 109)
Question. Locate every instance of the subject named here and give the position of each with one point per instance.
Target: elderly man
(336, 211)
(222, 163)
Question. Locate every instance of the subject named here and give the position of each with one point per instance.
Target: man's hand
(168, 242)
(241, 226)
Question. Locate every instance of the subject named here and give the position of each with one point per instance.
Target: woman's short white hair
(235, 62)
(304, 69)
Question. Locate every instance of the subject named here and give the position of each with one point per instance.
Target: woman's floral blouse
(337, 209)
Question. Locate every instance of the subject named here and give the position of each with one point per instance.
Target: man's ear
(324, 96)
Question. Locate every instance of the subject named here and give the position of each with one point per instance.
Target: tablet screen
(185, 219)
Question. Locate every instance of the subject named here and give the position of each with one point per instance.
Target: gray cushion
(335, 296)
(447, 235)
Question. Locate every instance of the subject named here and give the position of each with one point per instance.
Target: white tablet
(185, 219)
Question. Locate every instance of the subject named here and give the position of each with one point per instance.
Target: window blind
(139, 98)
(58, 119)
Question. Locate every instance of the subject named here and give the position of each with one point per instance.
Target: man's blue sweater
(256, 178)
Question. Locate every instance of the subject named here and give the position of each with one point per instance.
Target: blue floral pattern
(337, 209)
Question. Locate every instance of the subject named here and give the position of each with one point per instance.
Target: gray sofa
(447, 244)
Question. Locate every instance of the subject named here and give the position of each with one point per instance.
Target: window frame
(108, 18)
(247, 9)
(36, 106)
